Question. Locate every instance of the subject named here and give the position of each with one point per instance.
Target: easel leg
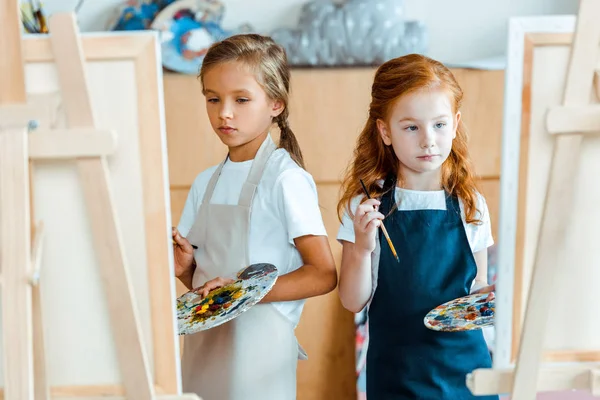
(41, 387)
(94, 177)
(115, 279)
(12, 73)
(42, 390)
(559, 198)
(15, 261)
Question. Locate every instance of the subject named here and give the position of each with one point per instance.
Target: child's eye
(440, 125)
(243, 100)
(212, 100)
(411, 128)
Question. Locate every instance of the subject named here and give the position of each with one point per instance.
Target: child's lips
(428, 157)
(226, 129)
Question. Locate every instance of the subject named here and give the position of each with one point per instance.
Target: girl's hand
(183, 254)
(366, 221)
(487, 289)
(213, 284)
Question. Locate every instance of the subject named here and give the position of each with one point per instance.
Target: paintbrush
(387, 237)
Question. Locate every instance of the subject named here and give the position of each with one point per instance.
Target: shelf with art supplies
(60, 166)
(186, 28)
(33, 17)
(354, 33)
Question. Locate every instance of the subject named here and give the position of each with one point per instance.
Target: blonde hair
(268, 60)
(373, 160)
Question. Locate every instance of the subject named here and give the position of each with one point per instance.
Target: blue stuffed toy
(187, 27)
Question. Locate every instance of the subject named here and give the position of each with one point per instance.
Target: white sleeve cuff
(476, 286)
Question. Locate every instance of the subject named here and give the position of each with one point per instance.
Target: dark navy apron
(405, 360)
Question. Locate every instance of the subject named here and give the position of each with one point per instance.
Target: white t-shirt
(285, 207)
(479, 236)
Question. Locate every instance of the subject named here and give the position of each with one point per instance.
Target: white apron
(254, 356)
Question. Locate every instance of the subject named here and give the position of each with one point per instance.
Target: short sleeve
(188, 216)
(483, 232)
(192, 203)
(346, 231)
(298, 203)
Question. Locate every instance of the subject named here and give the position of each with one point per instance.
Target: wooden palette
(462, 314)
(195, 314)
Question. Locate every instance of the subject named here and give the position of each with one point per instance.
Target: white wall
(463, 30)
(459, 30)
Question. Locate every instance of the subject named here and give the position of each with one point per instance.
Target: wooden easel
(568, 122)
(25, 376)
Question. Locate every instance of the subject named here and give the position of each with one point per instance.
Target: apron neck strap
(388, 199)
(210, 188)
(256, 172)
(452, 205)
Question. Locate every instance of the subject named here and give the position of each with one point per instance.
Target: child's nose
(225, 112)
(427, 142)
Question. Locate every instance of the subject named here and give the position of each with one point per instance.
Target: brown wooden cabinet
(328, 109)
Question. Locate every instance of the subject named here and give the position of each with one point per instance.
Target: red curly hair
(373, 160)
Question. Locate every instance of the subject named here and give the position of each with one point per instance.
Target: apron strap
(198, 234)
(453, 206)
(210, 188)
(256, 172)
(388, 199)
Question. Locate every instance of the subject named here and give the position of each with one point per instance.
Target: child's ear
(384, 132)
(456, 125)
(277, 108)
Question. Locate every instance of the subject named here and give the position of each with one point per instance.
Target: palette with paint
(195, 314)
(463, 314)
